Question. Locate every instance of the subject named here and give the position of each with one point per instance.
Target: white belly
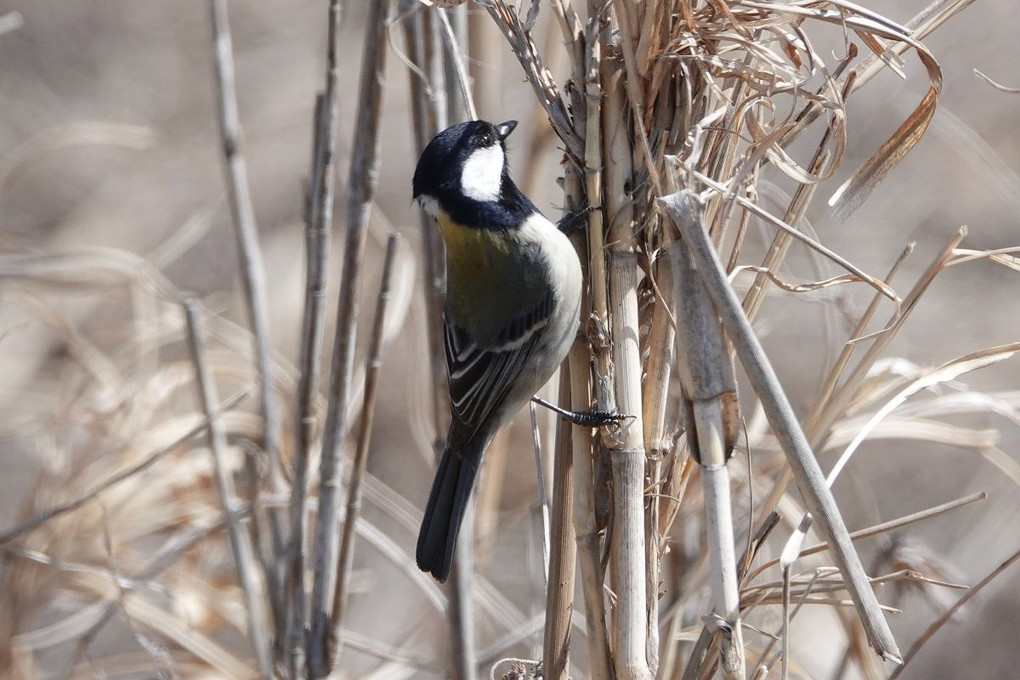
(559, 334)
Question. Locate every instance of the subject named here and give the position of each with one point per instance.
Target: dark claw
(595, 418)
(584, 418)
(574, 221)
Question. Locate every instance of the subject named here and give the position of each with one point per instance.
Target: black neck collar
(509, 212)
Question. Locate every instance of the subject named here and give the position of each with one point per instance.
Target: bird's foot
(584, 418)
(574, 221)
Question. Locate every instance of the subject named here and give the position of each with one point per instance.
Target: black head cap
(439, 168)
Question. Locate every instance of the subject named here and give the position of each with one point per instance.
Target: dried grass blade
(148, 462)
(948, 614)
(685, 212)
(947, 371)
(538, 75)
(998, 86)
(856, 190)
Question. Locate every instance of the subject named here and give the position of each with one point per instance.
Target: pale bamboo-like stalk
(593, 262)
(707, 376)
(585, 527)
(354, 492)
(685, 213)
(596, 273)
(655, 399)
(240, 541)
(363, 180)
(318, 230)
(626, 445)
(253, 280)
(562, 551)
(627, 548)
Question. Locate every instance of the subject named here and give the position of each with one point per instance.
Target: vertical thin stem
(563, 552)
(354, 493)
(585, 528)
(543, 494)
(655, 398)
(240, 541)
(626, 444)
(708, 381)
(252, 269)
(362, 183)
(318, 230)
(253, 279)
(585, 524)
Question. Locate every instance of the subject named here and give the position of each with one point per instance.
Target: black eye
(486, 139)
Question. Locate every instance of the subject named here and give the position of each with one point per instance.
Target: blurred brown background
(108, 138)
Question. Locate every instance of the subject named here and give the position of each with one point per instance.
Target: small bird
(513, 302)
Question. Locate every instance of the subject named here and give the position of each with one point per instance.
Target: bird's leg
(573, 221)
(584, 418)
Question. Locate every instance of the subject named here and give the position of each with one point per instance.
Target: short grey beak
(506, 128)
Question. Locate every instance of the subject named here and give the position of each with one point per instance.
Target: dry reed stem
(626, 442)
(562, 551)
(362, 183)
(253, 275)
(253, 279)
(655, 399)
(593, 263)
(710, 387)
(255, 597)
(318, 230)
(585, 528)
(354, 490)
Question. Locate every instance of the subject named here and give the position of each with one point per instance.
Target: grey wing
(481, 377)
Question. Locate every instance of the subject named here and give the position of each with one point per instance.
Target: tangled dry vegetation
(201, 510)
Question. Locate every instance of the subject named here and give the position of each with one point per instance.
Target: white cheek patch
(429, 205)
(483, 173)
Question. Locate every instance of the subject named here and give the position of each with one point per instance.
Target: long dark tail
(444, 513)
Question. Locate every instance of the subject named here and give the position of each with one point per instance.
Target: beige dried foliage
(721, 98)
